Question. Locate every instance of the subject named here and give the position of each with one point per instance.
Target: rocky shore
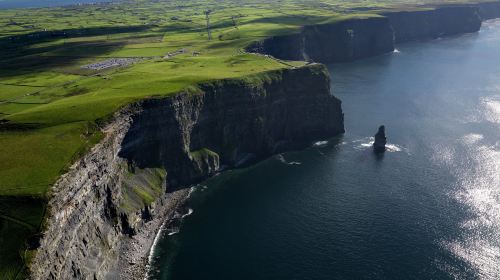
(135, 253)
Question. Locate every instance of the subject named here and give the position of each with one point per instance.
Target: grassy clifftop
(65, 70)
(55, 83)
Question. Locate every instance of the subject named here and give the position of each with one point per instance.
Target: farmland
(53, 105)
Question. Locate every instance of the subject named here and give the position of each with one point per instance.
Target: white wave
(173, 232)
(364, 143)
(190, 211)
(191, 191)
(320, 143)
(282, 159)
(152, 250)
(367, 143)
(163, 229)
(393, 148)
(396, 51)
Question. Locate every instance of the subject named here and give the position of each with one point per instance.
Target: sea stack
(380, 140)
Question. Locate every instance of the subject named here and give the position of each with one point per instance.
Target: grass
(50, 106)
(20, 219)
(141, 188)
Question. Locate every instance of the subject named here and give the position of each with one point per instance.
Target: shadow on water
(378, 156)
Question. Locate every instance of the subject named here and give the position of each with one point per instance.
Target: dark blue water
(428, 209)
(14, 4)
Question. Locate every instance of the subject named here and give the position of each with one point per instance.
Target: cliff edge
(434, 23)
(107, 209)
(358, 38)
(342, 41)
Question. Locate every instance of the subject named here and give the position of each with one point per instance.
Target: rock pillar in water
(380, 140)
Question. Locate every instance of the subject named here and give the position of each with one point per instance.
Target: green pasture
(51, 107)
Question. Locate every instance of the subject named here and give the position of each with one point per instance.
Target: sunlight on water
(492, 108)
(478, 189)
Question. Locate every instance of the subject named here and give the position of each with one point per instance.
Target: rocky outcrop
(380, 140)
(489, 10)
(342, 41)
(105, 211)
(434, 22)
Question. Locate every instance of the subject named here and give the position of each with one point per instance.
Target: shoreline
(139, 249)
(125, 243)
(144, 269)
(101, 227)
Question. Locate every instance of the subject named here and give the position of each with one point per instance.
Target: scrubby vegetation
(52, 106)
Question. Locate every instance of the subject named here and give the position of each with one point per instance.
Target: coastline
(100, 224)
(131, 240)
(139, 250)
(141, 269)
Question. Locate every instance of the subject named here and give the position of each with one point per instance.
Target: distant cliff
(489, 10)
(107, 209)
(434, 23)
(336, 42)
(353, 39)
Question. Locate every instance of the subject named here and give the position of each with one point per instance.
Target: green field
(51, 107)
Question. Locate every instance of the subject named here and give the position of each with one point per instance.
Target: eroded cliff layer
(106, 210)
(336, 42)
(434, 23)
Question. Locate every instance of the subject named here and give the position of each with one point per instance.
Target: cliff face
(349, 40)
(113, 201)
(489, 10)
(360, 38)
(431, 24)
(337, 42)
(230, 123)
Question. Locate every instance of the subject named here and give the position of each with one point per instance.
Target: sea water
(427, 209)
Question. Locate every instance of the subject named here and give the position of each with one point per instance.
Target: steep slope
(354, 39)
(106, 210)
(489, 10)
(434, 23)
(343, 41)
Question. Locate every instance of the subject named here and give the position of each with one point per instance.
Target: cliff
(434, 23)
(106, 210)
(489, 10)
(354, 39)
(342, 41)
